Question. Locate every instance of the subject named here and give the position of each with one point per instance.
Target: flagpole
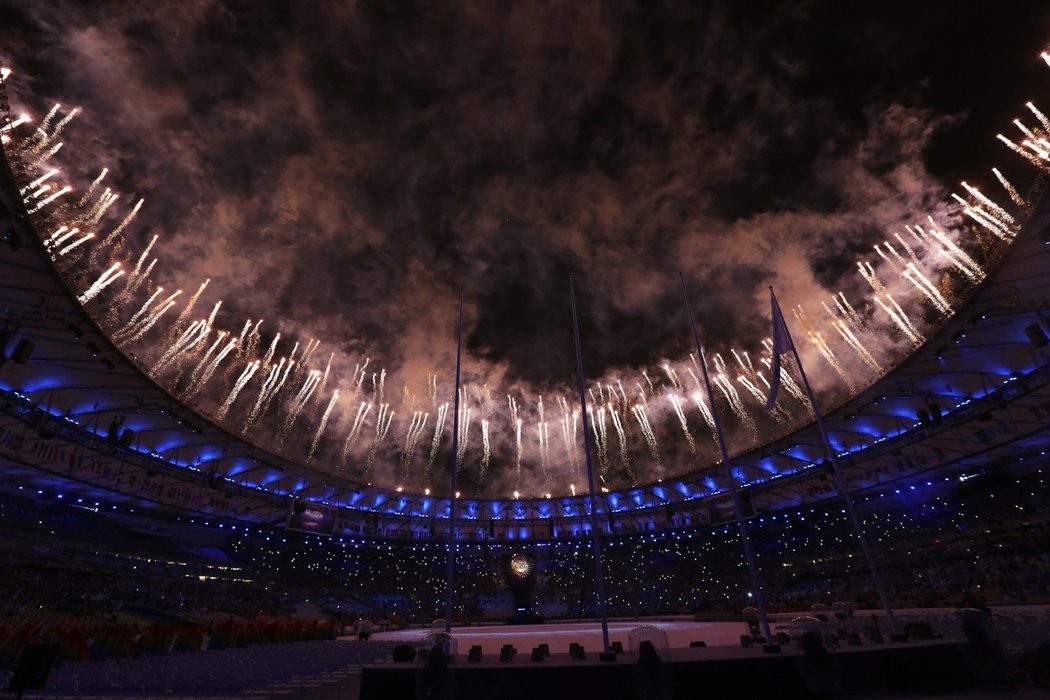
(450, 586)
(749, 555)
(596, 539)
(840, 483)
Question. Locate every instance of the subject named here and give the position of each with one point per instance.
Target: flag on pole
(781, 343)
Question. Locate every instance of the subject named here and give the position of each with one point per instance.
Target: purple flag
(781, 343)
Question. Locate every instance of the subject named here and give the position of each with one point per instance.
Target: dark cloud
(343, 170)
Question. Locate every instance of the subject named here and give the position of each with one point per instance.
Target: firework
(384, 416)
(210, 369)
(105, 279)
(1015, 196)
(676, 402)
(323, 425)
(647, 430)
(355, 431)
(486, 451)
(435, 443)
(242, 380)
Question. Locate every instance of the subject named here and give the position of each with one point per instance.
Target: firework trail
(251, 350)
(1015, 196)
(59, 237)
(243, 337)
(246, 375)
(36, 194)
(38, 182)
(685, 425)
(486, 451)
(988, 214)
(210, 370)
(378, 382)
(569, 421)
(355, 431)
(190, 335)
(180, 321)
(598, 427)
(927, 288)
(732, 396)
(672, 376)
(40, 160)
(104, 280)
(822, 346)
(997, 211)
(136, 278)
(311, 348)
(412, 437)
(516, 424)
(825, 350)
(271, 351)
(649, 382)
(75, 244)
(145, 325)
(957, 256)
(139, 320)
(327, 371)
(897, 315)
(11, 126)
(93, 215)
(359, 375)
(306, 391)
(86, 197)
(50, 198)
(186, 353)
(432, 387)
(647, 430)
(750, 378)
(276, 388)
(384, 416)
(543, 437)
(204, 361)
(114, 239)
(41, 131)
(896, 261)
(439, 425)
(464, 428)
(41, 139)
(544, 442)
(1044, 123)
(1046, 57)
(270, 382)
(786, 380)
(625, 457)
(868, 273)
(852, 340)
(907, 249)
(324, 424)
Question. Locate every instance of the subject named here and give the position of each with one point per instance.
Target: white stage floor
(559, 635)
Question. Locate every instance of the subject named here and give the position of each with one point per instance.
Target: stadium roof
(78, 414)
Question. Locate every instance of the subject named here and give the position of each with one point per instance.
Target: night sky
(344, 169)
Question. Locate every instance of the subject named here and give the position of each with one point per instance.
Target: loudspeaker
(34, 666)
(1036, 336)
(24, 350)
(127, 436)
